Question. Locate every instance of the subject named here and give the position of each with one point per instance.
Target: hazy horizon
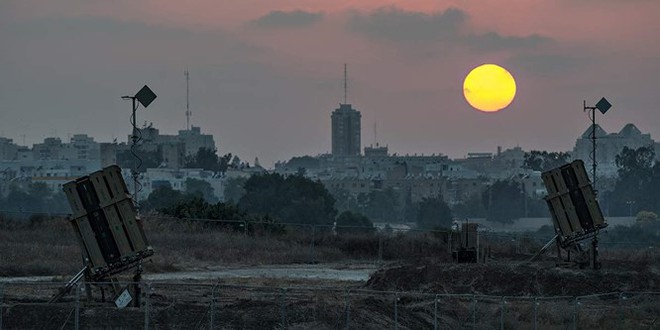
(265, 77)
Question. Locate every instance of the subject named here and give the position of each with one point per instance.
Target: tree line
(296, 199)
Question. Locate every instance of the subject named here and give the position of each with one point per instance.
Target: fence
(216, 306)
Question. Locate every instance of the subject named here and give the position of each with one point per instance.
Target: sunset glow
(277, 60)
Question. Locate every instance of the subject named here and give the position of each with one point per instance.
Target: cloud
(394, 24)
(400, 26)
(128, 41)
(283, 19)
(50, 27)
(495, 41)
(546, 63)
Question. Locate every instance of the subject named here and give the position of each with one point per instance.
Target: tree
(58, 203)
(504, 201)
(223, 162)
(35, 198)
(162, 198)
(204, 158)
(542, 160)
(638, 183)
(646, 218)
(353, 223)
(344, 201)
(234, 189)
(39, 189)
(195, 208)
(22, 202)
(472, 207)
(535, 208)
(434, 213)
(291, 199)
(382, 205)
(631, 235)
(635, 163)
(200, 188)
(148, 159)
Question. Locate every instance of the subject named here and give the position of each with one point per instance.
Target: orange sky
(265, 84)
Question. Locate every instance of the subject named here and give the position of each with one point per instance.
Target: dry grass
(33, 249)
(50, 248)
(47, 246)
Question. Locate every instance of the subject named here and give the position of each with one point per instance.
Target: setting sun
(489, 88)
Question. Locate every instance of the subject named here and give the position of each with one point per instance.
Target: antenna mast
(188, 113)
(345, 82)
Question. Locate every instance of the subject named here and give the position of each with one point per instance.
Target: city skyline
(266, 77)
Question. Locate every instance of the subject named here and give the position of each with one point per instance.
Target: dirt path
(313, 272)
(333, 272)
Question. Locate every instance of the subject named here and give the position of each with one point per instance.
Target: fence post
(347, 307)
(212, 306)
(146, 291)
(502, 306)
(77, 308)
(313, 254)
(621, 299)
(575, 312)
(2, 298)
(396, 310)
(474, 312)
(536, 304)
(283, 307)
(380, 247)
(435, 312)
(449, 242)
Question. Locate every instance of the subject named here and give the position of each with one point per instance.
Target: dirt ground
(360, 296)
(513, 279)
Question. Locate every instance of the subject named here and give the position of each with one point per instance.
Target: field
(413, 283)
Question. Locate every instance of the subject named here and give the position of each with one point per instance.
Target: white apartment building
(609, 145)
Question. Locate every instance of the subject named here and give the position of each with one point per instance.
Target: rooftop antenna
(375, 133)
(345, 82)
(188, 113)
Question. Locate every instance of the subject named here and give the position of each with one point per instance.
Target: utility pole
(603, 105)
(144, 96)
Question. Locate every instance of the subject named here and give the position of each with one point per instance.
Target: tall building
(193, 140)
(8, 149)
(82, 147)
(51, 148)
(170, 150)
(346, 131)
